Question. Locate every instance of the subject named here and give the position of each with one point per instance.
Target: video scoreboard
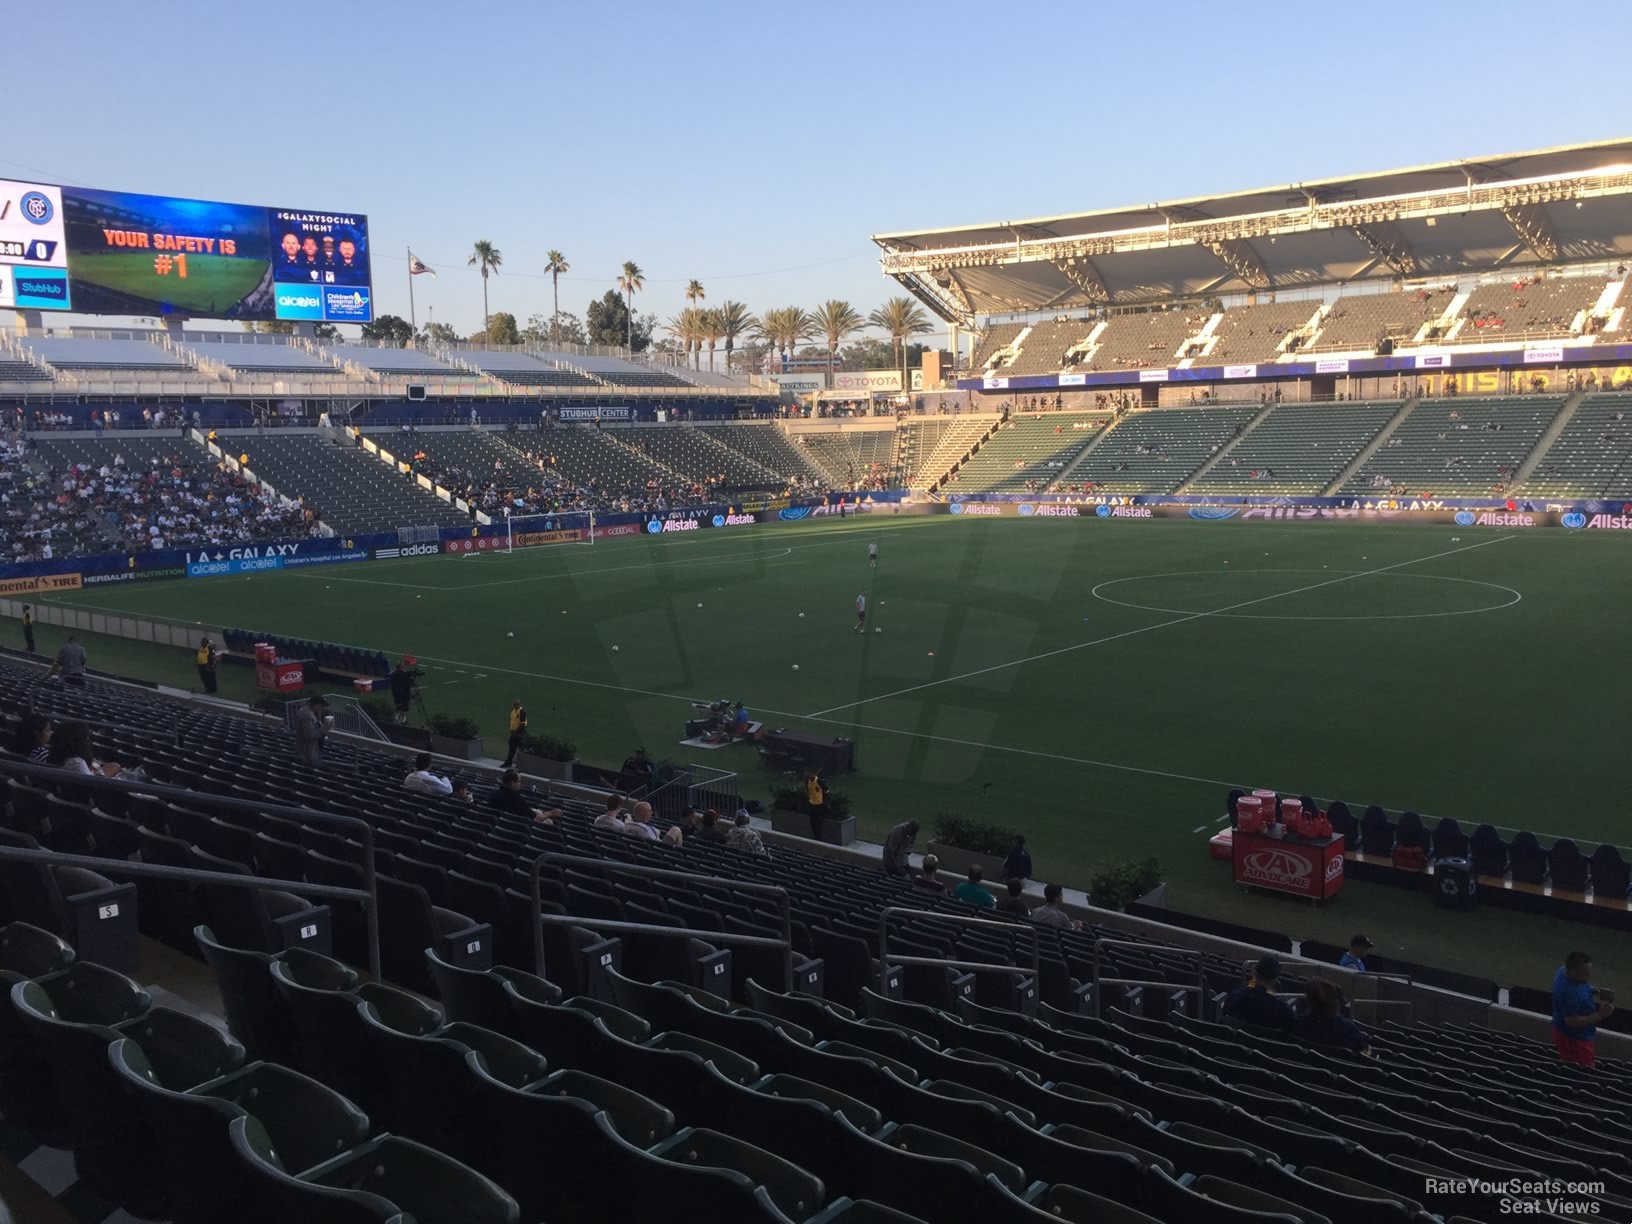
(117, 253)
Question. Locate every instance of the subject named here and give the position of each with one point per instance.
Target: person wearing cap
(1257, 1004)
(1355, 957)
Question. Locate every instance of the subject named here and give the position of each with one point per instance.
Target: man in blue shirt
(1257, 1004)
(1577, 1011)
(1355, 957)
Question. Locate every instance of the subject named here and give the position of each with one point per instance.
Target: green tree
(784, 327)
(631, 282)
(272, 327)
(556, 265)
(485, 256)
(709, 323)
(544, 330)
(686, 329)
(608, 321)
(836, 320)
(325, 331)
(735, 320)
(391, 328)
(899, 318)
(439, 333)
(501, 329)
(694, 292)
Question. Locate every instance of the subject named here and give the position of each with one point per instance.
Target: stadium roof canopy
(1515, 211)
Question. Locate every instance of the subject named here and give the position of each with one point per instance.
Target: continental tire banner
(43, 585)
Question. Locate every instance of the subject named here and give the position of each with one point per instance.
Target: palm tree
(630, 283)
(900, 317)
(784, 327)
(686, 330)
(835, 320)
(486, 257)
(555, 264)
(709, 332)
(694, 292)
(735, 319)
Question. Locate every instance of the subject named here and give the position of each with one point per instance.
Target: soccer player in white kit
(872, 554)
(861, 613)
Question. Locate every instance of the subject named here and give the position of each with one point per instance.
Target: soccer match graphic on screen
(158, 255)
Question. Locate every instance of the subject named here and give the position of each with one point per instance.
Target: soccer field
(1097, 685)
(213, 283)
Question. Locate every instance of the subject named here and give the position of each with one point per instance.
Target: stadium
(1255, 558)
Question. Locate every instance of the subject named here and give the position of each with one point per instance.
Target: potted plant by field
(790, 813)
(1119, 884)
(546, 756)
(454, 736)
(961, 841)
(384, 716)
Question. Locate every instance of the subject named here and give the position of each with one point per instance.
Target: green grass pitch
(214, 283)
(1096, 684)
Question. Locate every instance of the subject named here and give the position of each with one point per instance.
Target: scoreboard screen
(110, 252)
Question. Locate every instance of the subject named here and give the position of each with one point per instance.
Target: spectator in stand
(71, 750)
(973, 891)
(1323, 1022)
(898, 845)
(69, 663)
(1256, 1003)
(743, 835)
(640, 823)
(33, 739)
(1018, 865)
(461, 792)
(928, 877)
(611, 819)
(689, 825)
(1577, 1011)
(313, 722)
(714, 829)
(1052, 911)
(508, 798)
(1013, 900)
(423, 782)
(1355, 957)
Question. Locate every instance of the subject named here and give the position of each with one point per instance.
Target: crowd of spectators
(168, 499)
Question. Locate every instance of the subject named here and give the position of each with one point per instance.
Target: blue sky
(756, 147)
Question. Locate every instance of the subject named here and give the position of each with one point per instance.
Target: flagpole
(412, 321)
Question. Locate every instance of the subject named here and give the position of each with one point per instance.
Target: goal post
(537, 530)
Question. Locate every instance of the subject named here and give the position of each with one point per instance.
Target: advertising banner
(1073, 380)
(1332, 365)
(867, 380)
(621, 413)
(1240, 371)
(33, 252)
(1153, 376)
(43, 585)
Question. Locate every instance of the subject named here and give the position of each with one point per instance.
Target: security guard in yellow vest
(205, 658)
(518, 730)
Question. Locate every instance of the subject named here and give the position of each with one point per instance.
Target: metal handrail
(655, 873)
(1199, 989)
(199, 875)
(886, 959)
(162, 790)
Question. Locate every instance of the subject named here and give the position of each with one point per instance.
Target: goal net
(537, 530)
